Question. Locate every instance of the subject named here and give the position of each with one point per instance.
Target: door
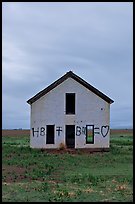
(70, 136)
(50, 134)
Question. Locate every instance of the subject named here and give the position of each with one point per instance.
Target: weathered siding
(90, 110)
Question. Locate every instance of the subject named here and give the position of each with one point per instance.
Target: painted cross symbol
(59, 129)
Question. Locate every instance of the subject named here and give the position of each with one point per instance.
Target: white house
(72, 112)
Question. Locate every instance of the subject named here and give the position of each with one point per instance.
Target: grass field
(37, 175)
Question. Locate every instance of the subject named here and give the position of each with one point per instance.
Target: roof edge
(63, 78)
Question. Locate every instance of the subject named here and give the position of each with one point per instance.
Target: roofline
(69, 74)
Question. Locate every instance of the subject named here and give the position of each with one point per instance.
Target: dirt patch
(12, 173)
(75, 151)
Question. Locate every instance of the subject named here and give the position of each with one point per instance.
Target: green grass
(34, 175)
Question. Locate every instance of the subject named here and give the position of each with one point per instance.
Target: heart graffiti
(104, 130)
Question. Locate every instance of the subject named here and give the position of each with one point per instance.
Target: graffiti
(80, 130)
(59, 129)
(104, 130)
(97, 130)
(33, 132)
(84, 130)
(42, 131)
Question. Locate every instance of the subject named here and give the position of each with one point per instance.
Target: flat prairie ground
(16, 132)
(30, 175)
(19, 132)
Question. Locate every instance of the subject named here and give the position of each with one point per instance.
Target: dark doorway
(50, 134)
(70, 136)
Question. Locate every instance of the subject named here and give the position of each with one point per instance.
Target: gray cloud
(42, 41)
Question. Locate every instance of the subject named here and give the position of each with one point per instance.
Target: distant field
(121, 131)
(15, 132)
(27, 132)
(37, 175)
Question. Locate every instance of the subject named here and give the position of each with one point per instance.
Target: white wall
(50, 110)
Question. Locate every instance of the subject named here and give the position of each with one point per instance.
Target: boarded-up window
(89, 134)
(50, 134)
(70, 103)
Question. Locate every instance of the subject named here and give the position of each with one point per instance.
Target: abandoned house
(70, 112)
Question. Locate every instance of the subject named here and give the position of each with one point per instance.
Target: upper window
(70, 103)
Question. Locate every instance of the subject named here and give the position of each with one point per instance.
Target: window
(70, 103)
(50, 134)
(89, 134)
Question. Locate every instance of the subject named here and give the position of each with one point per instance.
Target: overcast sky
(42, 41)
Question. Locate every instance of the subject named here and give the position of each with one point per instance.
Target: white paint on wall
(90, 109)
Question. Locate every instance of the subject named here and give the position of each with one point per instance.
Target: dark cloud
(42, 41)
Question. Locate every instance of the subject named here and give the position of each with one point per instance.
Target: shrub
(62, 146)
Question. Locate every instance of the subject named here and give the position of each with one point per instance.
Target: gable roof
(69, 74)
